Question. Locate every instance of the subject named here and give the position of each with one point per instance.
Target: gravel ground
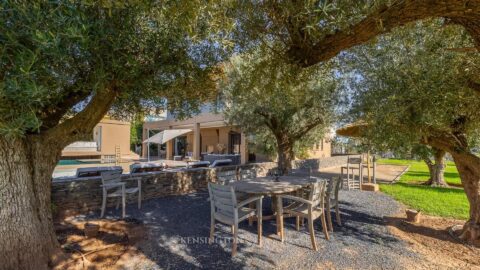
(363, 242)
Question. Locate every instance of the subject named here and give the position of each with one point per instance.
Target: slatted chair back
(111, 177)
(317, 193)
(354, 160)
(226, 177)
(222, 199)
(333, 187)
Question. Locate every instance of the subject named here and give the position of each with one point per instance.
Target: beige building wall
(321, 149)
(114, 133)
(107, 134)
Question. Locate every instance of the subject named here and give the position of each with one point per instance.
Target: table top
(268, 185)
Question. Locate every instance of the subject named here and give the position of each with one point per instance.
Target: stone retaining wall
(71, 195)
(80, 195)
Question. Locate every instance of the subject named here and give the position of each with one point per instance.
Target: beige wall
(114, 133)
(321, 149)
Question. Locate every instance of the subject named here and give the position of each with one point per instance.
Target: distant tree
(136, 131)
(279, 101)
(63, 65)
(412, 88)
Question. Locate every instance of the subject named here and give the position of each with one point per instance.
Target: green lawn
(445, 202)
(418, 171)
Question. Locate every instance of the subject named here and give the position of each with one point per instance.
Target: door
(234, 143)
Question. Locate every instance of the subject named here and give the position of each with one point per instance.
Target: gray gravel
(363, 242)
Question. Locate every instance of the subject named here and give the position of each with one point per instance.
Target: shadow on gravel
(358, 225)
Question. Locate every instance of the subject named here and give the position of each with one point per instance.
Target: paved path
(179, 227)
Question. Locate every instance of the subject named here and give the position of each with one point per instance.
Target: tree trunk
(468, 166)
(437, 170)
(285, 157)
(27, 235)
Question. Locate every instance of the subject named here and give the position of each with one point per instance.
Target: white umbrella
(166, 135)
(163, 137)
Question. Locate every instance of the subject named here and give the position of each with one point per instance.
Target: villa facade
(206, 133)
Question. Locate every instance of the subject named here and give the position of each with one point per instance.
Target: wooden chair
(354, 164)
(112, 180)
(331, 201)
(226, 209)
(310, 209)
(226, 177)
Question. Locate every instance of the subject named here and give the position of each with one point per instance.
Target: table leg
(279, 214)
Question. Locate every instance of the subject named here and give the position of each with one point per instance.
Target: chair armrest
(249, 200)
(294, 198)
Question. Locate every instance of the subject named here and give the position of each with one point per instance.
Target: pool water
(77, 162)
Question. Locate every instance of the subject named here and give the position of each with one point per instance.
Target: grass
(437, 201)
(418, 172)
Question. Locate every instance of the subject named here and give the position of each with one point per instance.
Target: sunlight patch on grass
(418, 172)
(445, 202)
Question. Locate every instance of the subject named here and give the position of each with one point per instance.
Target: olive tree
(63, 66)
(264, 95)
(412, 88)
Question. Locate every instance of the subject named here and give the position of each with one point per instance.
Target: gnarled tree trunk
(26, 234)
(468, 166)
(437, 169)
(285, 155)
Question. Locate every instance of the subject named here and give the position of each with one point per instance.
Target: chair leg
(250, 219)
(297, 223)
(123, 205)
(235, 234)
(337, 212)
(259, 222)
(212, 230)
(139, 199)
(324, 227)
(312, 233)
(104, 204)
(329, 218)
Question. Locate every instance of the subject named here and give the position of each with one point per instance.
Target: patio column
(144, 145)
(243, 149)
(196, 141)
(169, 150)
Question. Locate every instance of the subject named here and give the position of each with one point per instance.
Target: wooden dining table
(269, 186)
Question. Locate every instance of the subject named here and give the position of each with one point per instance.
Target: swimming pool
(77, 162)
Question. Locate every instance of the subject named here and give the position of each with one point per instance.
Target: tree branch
(297, 135)
(466, 13)
(83, 122)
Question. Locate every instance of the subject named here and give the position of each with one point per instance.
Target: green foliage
(272, 99)
(410, 86)
(136, 131)
(55, 55)
(280, 24)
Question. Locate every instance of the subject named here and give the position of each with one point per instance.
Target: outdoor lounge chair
(111, 180)
(310, 209)
(226, 209)
(331, 201)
